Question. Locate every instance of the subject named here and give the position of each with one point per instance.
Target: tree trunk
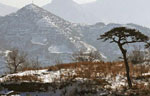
(126, 65)
(15, 69)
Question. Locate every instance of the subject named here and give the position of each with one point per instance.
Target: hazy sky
(21, 3)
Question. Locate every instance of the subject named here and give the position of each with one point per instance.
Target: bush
(25, 78)
(82, 56)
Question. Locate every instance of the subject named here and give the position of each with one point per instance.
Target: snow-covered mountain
(5, 10)
(41, 34)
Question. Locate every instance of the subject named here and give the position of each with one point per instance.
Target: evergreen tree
(123, 36)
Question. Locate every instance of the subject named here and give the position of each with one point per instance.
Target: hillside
(96, 79)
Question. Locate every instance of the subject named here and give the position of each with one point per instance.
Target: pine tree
(123, 36)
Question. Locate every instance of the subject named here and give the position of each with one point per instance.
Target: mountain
(5, 10)
(42, 34)
(51, 38)
(69, 10)
(118, 11)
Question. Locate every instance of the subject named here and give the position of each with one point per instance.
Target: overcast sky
(21, 3)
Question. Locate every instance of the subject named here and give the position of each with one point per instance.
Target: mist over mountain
(69, 10)
(118, 11)
(5, 10)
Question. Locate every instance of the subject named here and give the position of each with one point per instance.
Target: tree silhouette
(15, 59)
(123, 36)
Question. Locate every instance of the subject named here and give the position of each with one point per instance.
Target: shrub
(24, 78)
(82, 56)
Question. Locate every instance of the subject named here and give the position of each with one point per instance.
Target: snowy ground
(45, 75)
(115, 83)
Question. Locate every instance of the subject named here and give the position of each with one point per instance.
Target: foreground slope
(78, 79)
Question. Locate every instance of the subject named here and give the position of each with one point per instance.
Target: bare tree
(82, 56)
(137, 56)
(35, 63)
(123, 36)
(58, 60)
(15, 59)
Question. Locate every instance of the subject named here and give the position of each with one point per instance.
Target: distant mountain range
(5, 10)
(51, 38)
(71, 11)
(118, 11)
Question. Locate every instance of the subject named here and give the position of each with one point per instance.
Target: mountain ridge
(6, 9)
(104, 11)
(70, 10)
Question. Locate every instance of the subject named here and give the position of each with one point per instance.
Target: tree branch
(130, 42)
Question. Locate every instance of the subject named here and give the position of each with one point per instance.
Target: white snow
(118, 82)
(46, 22)
(39, 40)
(50, 76)
(145, 74)
(45, 75)
(59, 49)
(7, 52)
(38, 43)
(103, 56)
(82, 45)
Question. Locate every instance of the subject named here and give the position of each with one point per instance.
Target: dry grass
(140, 90)
(99, 69)
(27, 78)
(105, 68)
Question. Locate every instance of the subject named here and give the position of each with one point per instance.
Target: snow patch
(59, 49)
(46, 22)
(103, 56)
(88, 47)
(39, 41)
(7, 52)
(45, 75)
